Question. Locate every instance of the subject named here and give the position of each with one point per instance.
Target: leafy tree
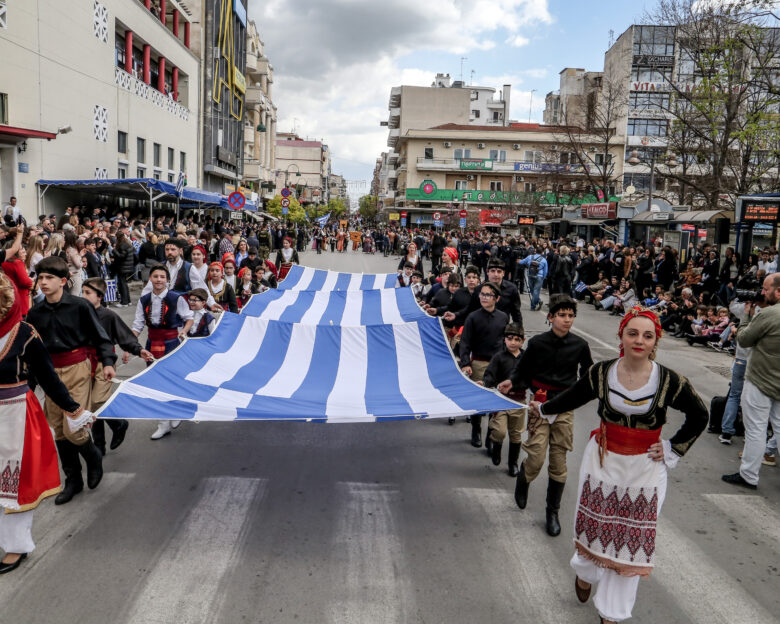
(368, 207)
(296, 213)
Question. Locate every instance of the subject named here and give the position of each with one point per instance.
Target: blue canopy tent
(141, 189)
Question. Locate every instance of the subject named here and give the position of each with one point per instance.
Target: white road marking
(750, 512)
(704, 591)
(589, 336)
(54, 526)
(532, 578)
(376, 587)
(183, 585)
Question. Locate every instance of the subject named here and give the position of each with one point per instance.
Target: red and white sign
(436, 216)
(403, 214)
(605, 210)
(689, 227)
(285, 202)
(463, 214)
(495, 217)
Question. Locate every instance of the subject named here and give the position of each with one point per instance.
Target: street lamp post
(635, 160)
(530, 104)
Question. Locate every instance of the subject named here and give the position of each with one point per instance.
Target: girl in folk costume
(229, 268)
(285, 258)
(413, 256)
(263, 279)
(245, 287)
(29, 470)
(340, 240)
(222, 292)
(623, 477)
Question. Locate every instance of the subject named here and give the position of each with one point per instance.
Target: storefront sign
(239, 81)
(768, 213)
(525, 219)
(428, 191)
(653, 59)
(394, 216)
(495, 217)
(682, 87)
(476, 164)
(662, 216)
(605, 210)
(549, 167)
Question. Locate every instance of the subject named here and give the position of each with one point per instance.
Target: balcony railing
(130, 83)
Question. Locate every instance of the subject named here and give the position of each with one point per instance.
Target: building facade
(260, 119)
(120, 101)
(304, 165)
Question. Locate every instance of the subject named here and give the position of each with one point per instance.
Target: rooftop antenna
(611, 37)
(462, 59)
(472, 77)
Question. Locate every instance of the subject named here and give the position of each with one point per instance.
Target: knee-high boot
(71, 466)
(99, 434)
(554, 494)
(476, 430)
(514, 454)
(118, 428)
(521, 488)
(94, 461)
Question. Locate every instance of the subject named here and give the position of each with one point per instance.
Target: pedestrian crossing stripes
(375, 585)
(345, 308)
(308, 278)
(54, 526)
(753, 513)
(182, 586)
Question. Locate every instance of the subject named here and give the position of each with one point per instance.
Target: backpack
(533, 267)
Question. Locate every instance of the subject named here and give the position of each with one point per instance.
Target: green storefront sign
(476, 164)
(428, 191)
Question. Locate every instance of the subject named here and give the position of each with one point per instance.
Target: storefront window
(657, 40)
(647, 127)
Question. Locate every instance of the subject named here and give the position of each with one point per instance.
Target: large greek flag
(324, 356)
(307, 278)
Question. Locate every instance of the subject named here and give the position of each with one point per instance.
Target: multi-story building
(576, 100)
(260, 119)
(337, 186)
(444, 101)
(223, 54)
(304, 165)
(511, 169)
(112, 85)
(551, 116)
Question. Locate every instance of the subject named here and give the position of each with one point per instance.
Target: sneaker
(163, 429)
(737, 479)
(715, 345)
(769, 460)
(725, 438)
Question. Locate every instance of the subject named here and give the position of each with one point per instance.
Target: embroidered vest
(169, 317)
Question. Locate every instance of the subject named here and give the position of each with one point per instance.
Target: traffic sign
(403, 221)
(285, 210)
(437, 222)
(462, 223)
(236, 200)
(436, 216)
(419, 220)
(285, 202)
(463, 214)
(403, 214)
(286, 192)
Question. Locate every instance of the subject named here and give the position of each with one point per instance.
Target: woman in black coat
(123, 266)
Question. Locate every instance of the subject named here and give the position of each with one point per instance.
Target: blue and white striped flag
(307, 278)
(321, 221)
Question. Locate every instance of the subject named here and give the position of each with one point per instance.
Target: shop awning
(700, 216)
(649, 216)
(20, 134)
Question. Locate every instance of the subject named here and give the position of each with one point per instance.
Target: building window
(651, 74)
(496, 185)
(497, 116)
(170, 177)
(475, 113)
(156, 152)
(461, 153)
(428, 153)
(171, 158)
(121, 172)
(530, 187)
(498, 155)
(121, 142)
(156, 175)
(647, 127)
(183, 161)
(475, 95)
(533, 156)
(140, 172)
(461, 185)
(656, 40)
(602, 159)
(140, 148)
(648, 100)
(4, 109)
(568, 158)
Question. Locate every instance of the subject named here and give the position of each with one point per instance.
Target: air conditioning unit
(216, 53)
(447, 144)
(516, 146)
(480, 145)
(470, 177)
(554, 148)
(518, 178)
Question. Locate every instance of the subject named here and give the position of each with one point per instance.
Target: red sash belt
(69, 358)
(93, 358)
(158, 338)
(479, 359)
(624, 440)
(540, 385)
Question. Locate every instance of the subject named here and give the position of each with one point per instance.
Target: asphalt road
(380, 523)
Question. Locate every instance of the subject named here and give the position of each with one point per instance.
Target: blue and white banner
(321, 221)
(258, 369)
(346, 308)
(307, 278)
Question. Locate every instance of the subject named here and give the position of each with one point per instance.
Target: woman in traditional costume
(285, 258)
(223, 294)
(246, 287)
(29, 471)
(622, 482)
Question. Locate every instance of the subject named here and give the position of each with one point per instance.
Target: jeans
(535, 284)
(607, 302)
(735, 393)
(759, 410)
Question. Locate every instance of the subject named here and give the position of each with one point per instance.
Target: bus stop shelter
(761, 211)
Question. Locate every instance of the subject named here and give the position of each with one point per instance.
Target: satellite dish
(630, 190)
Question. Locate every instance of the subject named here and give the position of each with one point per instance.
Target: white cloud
(336, 60)
(518, 41)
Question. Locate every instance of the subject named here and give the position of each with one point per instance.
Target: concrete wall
(423, 107)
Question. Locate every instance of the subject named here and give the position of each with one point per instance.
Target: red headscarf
(243, 272)
(228, 257)
(14, 314)
(201, 248)
(640, 311)
(217, 264)
(452, 253)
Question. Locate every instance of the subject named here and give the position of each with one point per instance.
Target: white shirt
(196, 316)
(182, 309)
(14, 211)
(770, 266)
(197, 279)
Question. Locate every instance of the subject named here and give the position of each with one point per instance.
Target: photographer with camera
(761, 392)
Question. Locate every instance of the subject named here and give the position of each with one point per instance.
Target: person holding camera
(761, 392)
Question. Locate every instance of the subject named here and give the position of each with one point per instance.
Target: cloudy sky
(336, 60)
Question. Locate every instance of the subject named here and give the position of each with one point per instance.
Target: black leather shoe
(10, 567)
(94, 461)
(488, 444)
(476, 438)
(521, 488)
(552, 524)
(514, 453)
(71, 466)
(495, 455)
(450, 421)
(737, 479)
(119, 435)
(554, 494)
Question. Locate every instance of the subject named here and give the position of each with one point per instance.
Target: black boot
(476, 431)
(514, 454)
(495, 454)
(521, 488)
(99, 435)
(94, 461)
(554, 493)
(119, 428)
(71, 466)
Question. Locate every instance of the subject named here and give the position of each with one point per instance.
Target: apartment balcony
(254, 96)
(393, 136)
(480, 165)
(249, 134)
(252, 170)
(395, 97)
(495, 103)
(251, 64)
(394, 121)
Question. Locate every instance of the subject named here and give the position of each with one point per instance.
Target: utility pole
(462, 60)
(530, 105)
